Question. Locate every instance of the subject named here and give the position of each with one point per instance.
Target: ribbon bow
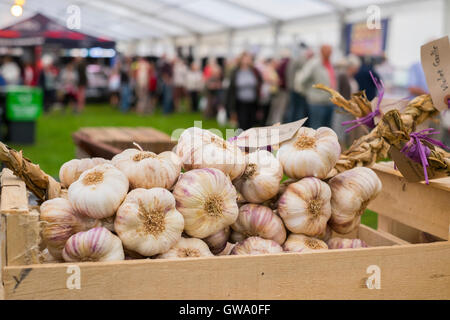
(417, 151)
(368, 119)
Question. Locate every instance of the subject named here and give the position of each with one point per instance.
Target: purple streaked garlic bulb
(60, 222)
(302, 243)
(187, 248)
(261, 178)
(305, 207)
(145, 169)
(351, 190)
(71, 170)
(147, 222)
(342, 243)
(207, 200)
(260, 221)
(218, 241)
(98, 244)
(310, 153)
(99, 191)
(200, 148)
(256, 245)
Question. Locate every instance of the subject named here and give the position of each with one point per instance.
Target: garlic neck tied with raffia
(310, 153)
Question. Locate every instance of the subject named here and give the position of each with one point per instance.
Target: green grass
(54, 144)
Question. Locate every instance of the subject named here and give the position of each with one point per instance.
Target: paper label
(435, 56)
(411, 170)
(268, 136)
(388, 105)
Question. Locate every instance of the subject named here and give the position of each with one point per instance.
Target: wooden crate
(404, 270)
(106, 142)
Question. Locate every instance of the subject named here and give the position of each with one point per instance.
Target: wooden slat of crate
(410, 271)
(420, 206)
(21, 226)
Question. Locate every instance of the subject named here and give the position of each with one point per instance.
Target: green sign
(23, 103)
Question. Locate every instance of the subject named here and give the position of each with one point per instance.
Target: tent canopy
(140, 19)
(39, 29)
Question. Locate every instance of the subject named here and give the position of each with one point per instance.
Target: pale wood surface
(377, 238)
(420, 206)
(141, 134)
(409, 271)
(14, 197)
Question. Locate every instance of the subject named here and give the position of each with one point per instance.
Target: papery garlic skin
(200, 148)
(60, 222)
(71, 170)
(261, 178)
(302, 243)
(260, 221)
(342, 243)
(256, 245)
(99, 191)
(207, 200)
(218, 241)
(187, 248)
(227, 250)
(147, 222)
(311, 153)
(97, 244)
(326, 234)
(305, 206)
(145, 169)
(351, 190)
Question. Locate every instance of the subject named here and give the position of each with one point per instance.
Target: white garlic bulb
(148, 222)
(311, 153)
(258, 220)
(71, 170)
(97, 244)
(99, 191)
(145, 169)
(187, 248)
(302, 243)
(207, 200)
(200, 148)
(256, 245)
(60, 222)
(261, 178)
(218, 241)
(342, 243)
(305, 206)
(351, 190)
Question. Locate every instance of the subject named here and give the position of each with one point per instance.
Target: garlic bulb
(302, 243)
(187, 248)
(311, 153)
(305, 206)
(99, 191)
(261, 178)
(147, 170)
(71, 170)
(60, 221)
(258, 220)
(218, 241)
(351, 191)
(256, 245)
(341, 243)
(147, 221)
(97, 244)
(207, 200)
(200, 148)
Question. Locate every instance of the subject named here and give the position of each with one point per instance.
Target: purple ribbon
(417, 151)
(368, 119)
